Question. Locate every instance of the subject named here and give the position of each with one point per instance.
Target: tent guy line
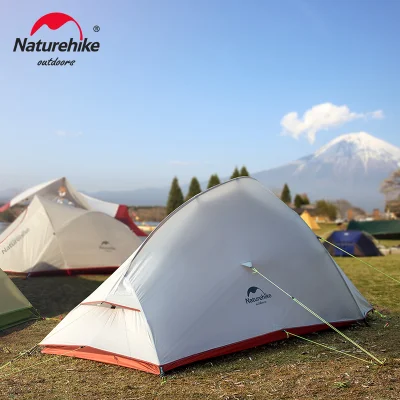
(250, 266)
(21, 354)
(38, 363)
(327, 347)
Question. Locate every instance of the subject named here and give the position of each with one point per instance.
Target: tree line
(322, 207)
(299, 199)
(176, 198)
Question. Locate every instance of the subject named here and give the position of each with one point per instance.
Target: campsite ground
(291, 369)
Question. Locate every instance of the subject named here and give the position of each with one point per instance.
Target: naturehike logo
(105, 245)
(55, 21)
(14, 241)
(256, 295)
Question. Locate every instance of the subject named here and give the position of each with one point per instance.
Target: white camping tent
(61, 191)
(52, 238)
(185, 295)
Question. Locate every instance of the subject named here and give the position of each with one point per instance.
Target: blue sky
(189, 88)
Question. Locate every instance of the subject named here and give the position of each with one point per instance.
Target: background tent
(385, 229)
(309, 220)
(185, 296)
(356, 243)
(52, 238)
(61, 191)
(14, 306)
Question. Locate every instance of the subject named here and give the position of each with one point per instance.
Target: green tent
(385, 229)
(14, 306)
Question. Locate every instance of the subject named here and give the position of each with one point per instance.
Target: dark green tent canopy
(385, 229)
(14, 306)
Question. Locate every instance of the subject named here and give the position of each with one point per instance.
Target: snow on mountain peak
(362, 146)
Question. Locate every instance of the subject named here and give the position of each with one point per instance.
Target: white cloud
(321, 117)
(68, 134)
(378, 114)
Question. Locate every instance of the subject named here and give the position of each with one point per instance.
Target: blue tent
(357, 243)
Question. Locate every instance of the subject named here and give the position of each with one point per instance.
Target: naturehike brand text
(15, 241)
(83, 46)
(260, 299)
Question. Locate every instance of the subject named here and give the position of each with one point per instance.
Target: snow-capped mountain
(351, 166)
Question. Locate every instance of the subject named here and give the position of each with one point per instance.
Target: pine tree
(244, 172)
(235, 173)
(214, 180)
(285, 195)
(305, 198)
(175, 198)
(298, 201)
(194, 188)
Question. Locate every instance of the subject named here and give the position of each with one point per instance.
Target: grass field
(326, 229)
(291, 369)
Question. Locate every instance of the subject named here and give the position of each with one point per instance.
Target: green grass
(388, 243)
(291, 369)
(326, 229)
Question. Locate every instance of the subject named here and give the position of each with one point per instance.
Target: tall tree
(244, 172)
(175, 198)
(213, 181)
(194, 188)
(298, 201)
(305, 199)
(235, 173)
(391, 189)
(326, 208)
(391, 186)
(286, 197)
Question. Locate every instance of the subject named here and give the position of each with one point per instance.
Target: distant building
(376, 215)
(350, 214)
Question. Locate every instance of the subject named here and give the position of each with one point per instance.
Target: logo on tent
(105, 245)
(256, 295)
(14, 241)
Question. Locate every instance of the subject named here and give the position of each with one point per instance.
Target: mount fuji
(350, 167)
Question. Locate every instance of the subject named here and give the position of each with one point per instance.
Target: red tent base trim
(252, 342)
(67, 272)
(90, 353)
